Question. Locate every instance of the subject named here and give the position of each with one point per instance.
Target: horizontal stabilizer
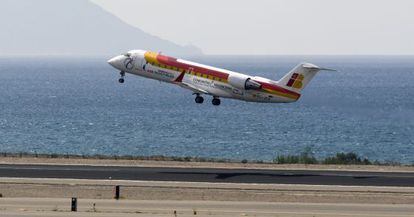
(315, 67)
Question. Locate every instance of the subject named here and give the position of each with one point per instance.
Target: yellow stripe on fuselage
(280, 93)
(151, 57)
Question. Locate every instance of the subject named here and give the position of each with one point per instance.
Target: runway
(311, 177)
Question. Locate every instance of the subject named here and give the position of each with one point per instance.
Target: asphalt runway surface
(311, 177)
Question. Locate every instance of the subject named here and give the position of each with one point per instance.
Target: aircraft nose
(115, 62)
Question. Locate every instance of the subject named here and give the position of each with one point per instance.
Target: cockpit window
(127, 54)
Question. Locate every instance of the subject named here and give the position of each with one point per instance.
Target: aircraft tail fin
(300, 76)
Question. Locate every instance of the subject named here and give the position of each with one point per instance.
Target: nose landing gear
(121, 80)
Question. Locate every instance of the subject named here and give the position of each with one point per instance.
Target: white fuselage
(202, 79)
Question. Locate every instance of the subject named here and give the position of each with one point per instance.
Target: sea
(75, 105)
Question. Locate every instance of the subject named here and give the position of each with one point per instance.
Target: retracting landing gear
(215, 101)
(199, 99)
(121, 80)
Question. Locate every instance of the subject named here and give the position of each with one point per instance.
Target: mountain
(73, 27)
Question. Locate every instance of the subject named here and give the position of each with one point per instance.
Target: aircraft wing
(193, 88)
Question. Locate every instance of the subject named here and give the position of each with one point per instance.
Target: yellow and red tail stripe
(280, 91)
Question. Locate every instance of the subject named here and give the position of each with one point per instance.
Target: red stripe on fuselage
(170, 61)
(279, 89)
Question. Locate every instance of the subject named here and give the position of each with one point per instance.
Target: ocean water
(76, 106)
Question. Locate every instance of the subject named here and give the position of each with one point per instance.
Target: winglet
(180, 77)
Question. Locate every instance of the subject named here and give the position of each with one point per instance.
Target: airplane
(219, 83)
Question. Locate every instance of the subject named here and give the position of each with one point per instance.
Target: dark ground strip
(311, 177)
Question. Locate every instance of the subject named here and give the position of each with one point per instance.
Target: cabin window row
(167, 67)
(207, 76)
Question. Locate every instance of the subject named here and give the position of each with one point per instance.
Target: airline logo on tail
(295, 81)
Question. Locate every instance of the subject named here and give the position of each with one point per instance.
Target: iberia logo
(295, 81)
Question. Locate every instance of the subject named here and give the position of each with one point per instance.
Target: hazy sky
(276, 26)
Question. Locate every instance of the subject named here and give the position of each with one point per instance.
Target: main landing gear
(215, 101)
(121, 80)
(199, 99)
